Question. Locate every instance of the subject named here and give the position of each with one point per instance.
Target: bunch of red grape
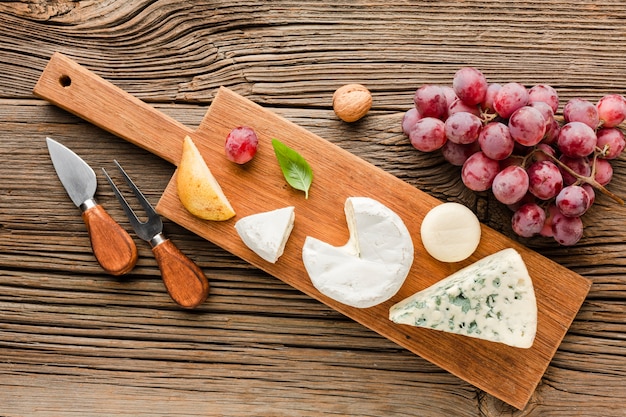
(509, 138)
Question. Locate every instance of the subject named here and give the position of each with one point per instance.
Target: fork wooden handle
(184, 280)
(112, 246)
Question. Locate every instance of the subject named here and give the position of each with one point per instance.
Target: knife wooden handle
(74, 88)
(112, 246)
(184, 280)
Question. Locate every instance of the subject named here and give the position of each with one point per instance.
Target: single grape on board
(241, 144)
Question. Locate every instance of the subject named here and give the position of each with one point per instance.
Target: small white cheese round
(450, 232)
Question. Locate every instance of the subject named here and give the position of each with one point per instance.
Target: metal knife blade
(112, 246)
(76, 176)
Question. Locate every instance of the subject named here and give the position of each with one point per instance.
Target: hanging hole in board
(65, 80)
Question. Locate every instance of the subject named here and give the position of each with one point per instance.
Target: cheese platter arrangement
(344, 187)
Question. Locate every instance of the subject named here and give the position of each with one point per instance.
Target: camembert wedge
(266, 233)
(374, 263)
(492, 299)
(198, 190)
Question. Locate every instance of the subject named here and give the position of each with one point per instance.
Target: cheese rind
(374, 263)
(491, 299)
(266, 233)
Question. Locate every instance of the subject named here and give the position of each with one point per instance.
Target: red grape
(573, 201)
(551, 211)
(579, 110)
(462, 127)
(581, 166)
(546, 94)
(552, 126)
(459, 106)
(528, 220)
(566, 230)
(604, 171)
(241, 144)
(479, 171)
(428, 134)
(544, 109)
(509, 98)
(470, 85)
(545, 179)
(513, 160)
(495, 141)
(510, 185)
(527, 199)
(611, 110)
(456, 154)
(577, 139)
(430, 101)
(527, 126)
(544, 152)
(552, 132)
(450, 95)
(611, 141)
(492, 90)
(409, 119)
(590, 192)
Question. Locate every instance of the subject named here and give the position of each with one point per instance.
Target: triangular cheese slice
(266, 233)
(492, 299)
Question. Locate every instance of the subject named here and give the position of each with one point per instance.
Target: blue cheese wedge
(374, 263)
(266, 233)
(492, 299)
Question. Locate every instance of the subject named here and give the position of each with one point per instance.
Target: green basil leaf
(296, 169)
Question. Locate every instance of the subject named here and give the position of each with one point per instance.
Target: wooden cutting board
(508, 373)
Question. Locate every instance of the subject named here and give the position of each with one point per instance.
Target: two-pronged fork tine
(183, 279)
(147, 230)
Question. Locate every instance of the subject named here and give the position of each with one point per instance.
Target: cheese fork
(184, 280)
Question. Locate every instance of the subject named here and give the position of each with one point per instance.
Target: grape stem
(486, 116)
(580, 178)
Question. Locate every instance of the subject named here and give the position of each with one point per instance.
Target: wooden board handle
(83, 93)
(112, 246)
(184, 280)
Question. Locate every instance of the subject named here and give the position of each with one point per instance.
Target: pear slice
(198, 190)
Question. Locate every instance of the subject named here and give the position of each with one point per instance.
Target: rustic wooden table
(75, 341)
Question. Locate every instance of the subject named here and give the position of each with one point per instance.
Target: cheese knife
(112, 246)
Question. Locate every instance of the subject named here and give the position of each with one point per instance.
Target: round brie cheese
(372, 266)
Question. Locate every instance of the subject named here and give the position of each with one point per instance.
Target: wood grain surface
(509, 374)
(76, 341)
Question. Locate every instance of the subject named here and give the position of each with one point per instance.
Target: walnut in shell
(351, 102)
